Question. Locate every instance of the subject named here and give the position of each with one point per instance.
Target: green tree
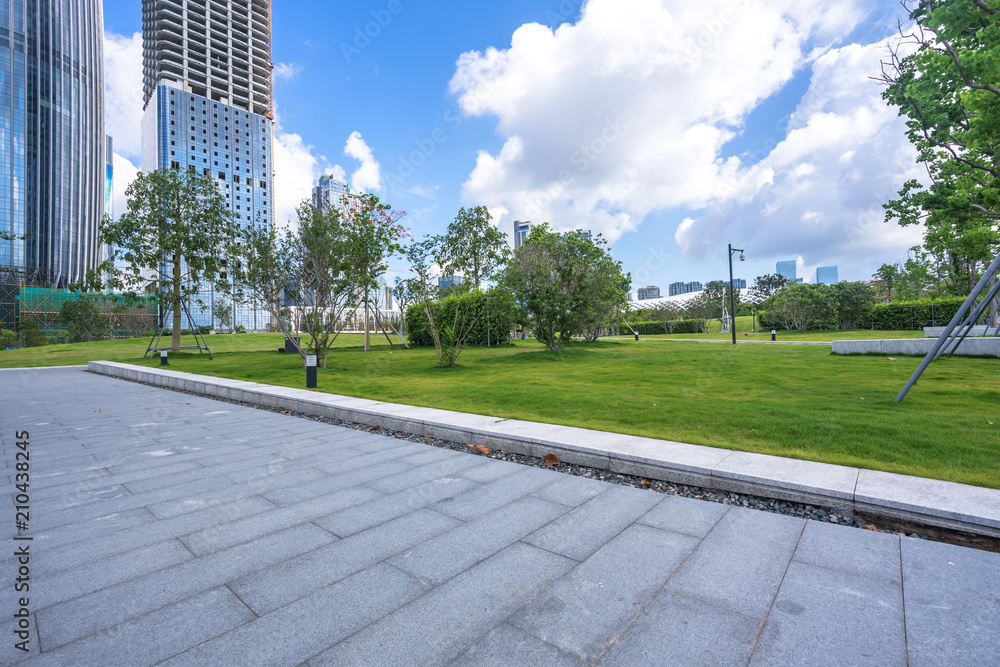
(82, 320)
(854, 301)
(31, 333)
(804, 306)
(888, 275)
(473, 246)
(305, 266)
(372, 233)
(948, 89)
(8, 338)
(566, 284)
(449, 327)
(766, 285)
(175, 238)
(222, 313)
(404, 291)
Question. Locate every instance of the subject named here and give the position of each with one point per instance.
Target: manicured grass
(795, 401)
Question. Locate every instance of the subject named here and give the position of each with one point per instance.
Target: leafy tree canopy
(947, 86)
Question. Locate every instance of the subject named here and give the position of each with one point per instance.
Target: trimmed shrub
(661, 328)
(496, 331)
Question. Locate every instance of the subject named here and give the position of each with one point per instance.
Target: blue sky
(670, 127)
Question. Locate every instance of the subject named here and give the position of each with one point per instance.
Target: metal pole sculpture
(732, 294)
(939, 344)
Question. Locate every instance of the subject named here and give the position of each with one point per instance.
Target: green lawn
(796, 401)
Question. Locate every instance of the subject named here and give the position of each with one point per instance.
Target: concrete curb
(945, 504)
(916, 346)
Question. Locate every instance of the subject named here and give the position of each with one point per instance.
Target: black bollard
(310, 371)
(163, 358)
(637, 336)
(774, 335)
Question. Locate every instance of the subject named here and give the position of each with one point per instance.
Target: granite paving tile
(436, 627)
(740, 564)
(952, 598)
(366, 515)
(509, 646)
(676, 629)
(295, 632)
(273, 587)
(153, 637)
(860, 552)
(685, 515)
(825, 607)
(581, 532)
(586, 610)
(71, 620)
(441, 558)
(478, 501)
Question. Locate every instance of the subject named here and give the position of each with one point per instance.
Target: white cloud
(368, 176)
(625, 112)
(124, 173)
(844, 154)
(284, 71)
(123, 91)
(296, 168)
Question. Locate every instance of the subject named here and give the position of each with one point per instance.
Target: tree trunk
(368, 342)
(175, 332)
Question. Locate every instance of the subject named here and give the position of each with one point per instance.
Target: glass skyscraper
(787, 269)
(52, 151)
(207, 95)
(826, 275)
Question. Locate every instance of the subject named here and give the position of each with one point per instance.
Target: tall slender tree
(175, 238)
(473, 246)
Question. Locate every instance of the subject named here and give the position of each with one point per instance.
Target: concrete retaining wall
(916, 346)
(935, 332)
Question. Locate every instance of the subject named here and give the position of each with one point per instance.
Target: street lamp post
(732, 294)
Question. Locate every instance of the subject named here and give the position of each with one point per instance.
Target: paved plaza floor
(170, 528)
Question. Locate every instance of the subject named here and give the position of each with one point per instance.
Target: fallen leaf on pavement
(482, 449)
(551, 460)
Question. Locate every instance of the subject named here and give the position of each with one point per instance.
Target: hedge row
(660, 328)
(902, 316)
(493, 331)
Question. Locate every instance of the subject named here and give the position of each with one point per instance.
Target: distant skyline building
(388, 297)
(826, 275)
(52, 138)
(328, 191)
(787, 269)
(446, 282)
(738, 283)
(649, 292)
(521, 230)
(684, 288)
(208, 107)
